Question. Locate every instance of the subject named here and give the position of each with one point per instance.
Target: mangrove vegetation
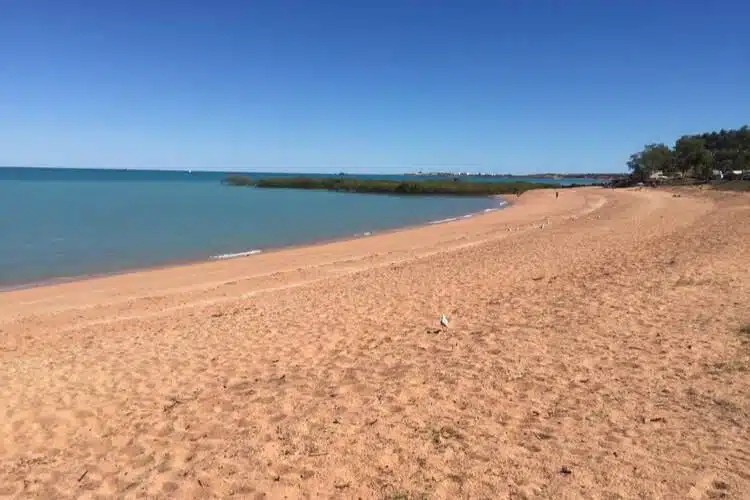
(450, 187)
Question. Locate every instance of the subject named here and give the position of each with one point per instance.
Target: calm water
(63, 222)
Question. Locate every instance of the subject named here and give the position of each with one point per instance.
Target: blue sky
(389, 86)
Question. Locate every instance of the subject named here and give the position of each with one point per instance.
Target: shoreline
(298, 264)
(504, 203)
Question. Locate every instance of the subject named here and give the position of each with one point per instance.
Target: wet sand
(594, 351)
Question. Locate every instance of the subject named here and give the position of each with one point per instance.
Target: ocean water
(60, 223)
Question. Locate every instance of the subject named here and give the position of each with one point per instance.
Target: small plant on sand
(437, 436)
(404, 495)
(596, 415)
(745, 332)
(449, 432)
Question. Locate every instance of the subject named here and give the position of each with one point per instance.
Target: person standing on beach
(557, 194)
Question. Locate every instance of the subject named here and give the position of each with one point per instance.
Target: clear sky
(384, 86)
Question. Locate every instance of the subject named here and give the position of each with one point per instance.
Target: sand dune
(594, 351)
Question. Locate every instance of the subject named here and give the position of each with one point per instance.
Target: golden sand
(594, 351)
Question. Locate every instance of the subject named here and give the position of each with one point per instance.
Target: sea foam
(225, 256)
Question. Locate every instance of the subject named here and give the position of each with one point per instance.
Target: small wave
(498, 207)
(225, 256)
(468, 216)
(441, 221)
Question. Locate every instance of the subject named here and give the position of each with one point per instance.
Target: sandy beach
(595, 350)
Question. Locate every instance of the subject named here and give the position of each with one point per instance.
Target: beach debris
(172, 403)
(443, 321)
(654, 419)
(565, 470)
(80, 478)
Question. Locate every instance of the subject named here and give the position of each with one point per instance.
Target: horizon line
(295, 171)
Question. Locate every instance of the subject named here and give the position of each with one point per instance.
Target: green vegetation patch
(454, 187)
(707, 156)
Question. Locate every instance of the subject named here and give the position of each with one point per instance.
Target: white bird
(444, 321)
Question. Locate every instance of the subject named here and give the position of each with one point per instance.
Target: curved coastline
(502, 203)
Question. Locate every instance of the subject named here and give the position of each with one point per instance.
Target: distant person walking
(557, 194)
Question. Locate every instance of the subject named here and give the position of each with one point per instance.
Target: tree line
(695, 156)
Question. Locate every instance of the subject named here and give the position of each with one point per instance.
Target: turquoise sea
(61, 223)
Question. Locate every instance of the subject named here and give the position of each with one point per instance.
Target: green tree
(635, 165)
(705, 168)
(691, 155)
(699, 154)
(741, 161)
(743, 138)
(653, 158)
